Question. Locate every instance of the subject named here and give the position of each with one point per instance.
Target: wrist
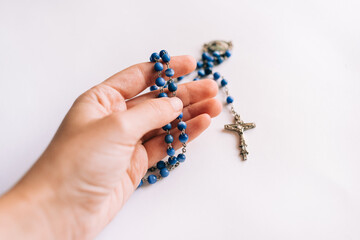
(32, 210)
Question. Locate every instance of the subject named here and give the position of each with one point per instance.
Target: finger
(149, 115)
(189, 93)
(211, 106)
(136, 78)
(138, 165)
(156, 147)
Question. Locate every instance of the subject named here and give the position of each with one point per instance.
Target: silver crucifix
(239, 126)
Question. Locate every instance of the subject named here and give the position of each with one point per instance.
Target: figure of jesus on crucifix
(240, 127)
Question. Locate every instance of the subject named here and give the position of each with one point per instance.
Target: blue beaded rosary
(214, 53)
(164, 168)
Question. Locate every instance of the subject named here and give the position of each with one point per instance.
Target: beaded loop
(163, 167)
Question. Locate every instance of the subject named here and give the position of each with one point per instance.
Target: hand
(102, 149)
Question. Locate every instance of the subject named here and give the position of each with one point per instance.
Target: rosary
(214, 53)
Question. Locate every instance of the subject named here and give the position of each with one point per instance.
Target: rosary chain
(232, 108)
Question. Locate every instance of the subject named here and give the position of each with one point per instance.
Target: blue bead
(172, 87)
(180, 116)
(229, 99)
(154, 57)
(216, 75)
(170, 151)
(158, 67)
(199, 64)
(172, 160)
(183, 137)
(208, 71)
(210, 64)
(161, 165)
(224, 83)
(181, 157)
(169, 138)
(153, 88)
(227, 53)
(216, 54)
(164, 172)
(181, 125)
(160, 82)
(141, 183)
(152, 179)
(180, 78)
(195, 79)
(167, 127)
(220, 60)
(201, 72)
(169, 72)
(162, 52)
(162, 95)
(205, 56)
(166, 57)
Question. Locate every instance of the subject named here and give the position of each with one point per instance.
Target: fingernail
(176, 103)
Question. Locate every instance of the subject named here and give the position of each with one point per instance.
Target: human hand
(102, 149)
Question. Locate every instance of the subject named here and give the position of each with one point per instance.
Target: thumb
(148, 115)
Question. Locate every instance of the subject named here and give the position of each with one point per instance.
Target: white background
(295, 71)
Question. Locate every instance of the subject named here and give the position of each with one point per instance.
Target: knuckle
(121, 123)
(158, 106)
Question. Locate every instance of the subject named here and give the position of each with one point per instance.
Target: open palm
(110, 137)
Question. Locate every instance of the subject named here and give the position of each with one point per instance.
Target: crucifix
(239, 126)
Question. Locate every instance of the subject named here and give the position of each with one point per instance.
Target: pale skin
(100, 152)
